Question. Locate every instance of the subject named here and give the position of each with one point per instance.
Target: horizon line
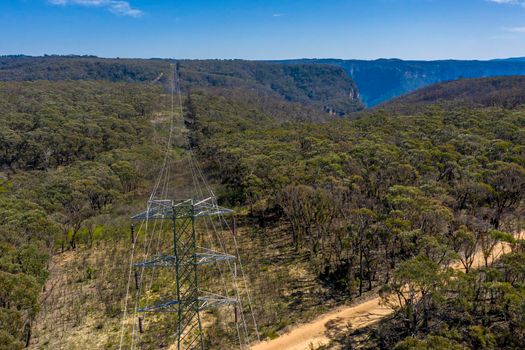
(262, 60)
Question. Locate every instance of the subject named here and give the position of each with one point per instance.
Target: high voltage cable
(164, 174)
(196, 166)
(196, 173)
(152, 235)
(237, 254)
(145, 223)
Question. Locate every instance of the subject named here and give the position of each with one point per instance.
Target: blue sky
(265, 29)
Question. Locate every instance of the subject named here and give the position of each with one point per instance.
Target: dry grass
(82, 302)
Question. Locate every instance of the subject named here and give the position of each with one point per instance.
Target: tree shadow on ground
(343, 336)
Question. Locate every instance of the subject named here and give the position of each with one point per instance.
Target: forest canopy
(381, 200)
(383, 197)
(68, 152)
(326, 87)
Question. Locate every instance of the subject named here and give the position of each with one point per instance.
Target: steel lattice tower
(185, 259)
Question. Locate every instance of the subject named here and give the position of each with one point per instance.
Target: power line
(186, 257)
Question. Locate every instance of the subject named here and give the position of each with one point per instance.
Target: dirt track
(316, 333)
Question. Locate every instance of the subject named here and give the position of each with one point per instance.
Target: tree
(127, 174)
(508, 188)
(364, 234)
(415, 289)
(428, 343)
(9, 145)
(489, 240)
(465, 243)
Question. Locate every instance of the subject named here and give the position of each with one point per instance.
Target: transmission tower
(185, 259)
(168, 229)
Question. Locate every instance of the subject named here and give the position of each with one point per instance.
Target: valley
(383, 79)
(339, 208)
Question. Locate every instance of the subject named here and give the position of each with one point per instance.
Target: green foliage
(327, 88)
(362, 202)
(479, 310)
(383, 79)
(24, 68)
(8, 342)
(69, 151)
(420, 284)
(429, 343)
(46, 125)
(24, 221)
(504, 92)
(423, 177)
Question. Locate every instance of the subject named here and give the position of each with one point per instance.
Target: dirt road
(316, 333)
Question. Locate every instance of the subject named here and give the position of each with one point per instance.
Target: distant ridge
(383, 79)
(376, 80)
(325, 87)
(512, 59)
(505, 92)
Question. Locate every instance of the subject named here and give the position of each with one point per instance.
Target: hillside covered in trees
(386, 202)
(383, 79)
(326, 87)
(330, 208)
(503, 92)
(69, 152)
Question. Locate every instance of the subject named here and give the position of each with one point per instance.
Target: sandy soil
(317, 333)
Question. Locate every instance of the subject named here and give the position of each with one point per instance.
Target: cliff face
(325, 86)
(383, 79)
(335, 85)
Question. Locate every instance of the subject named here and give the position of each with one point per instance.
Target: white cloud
(509, 2)
(515, 29)
(278, 14)
(119, 7)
